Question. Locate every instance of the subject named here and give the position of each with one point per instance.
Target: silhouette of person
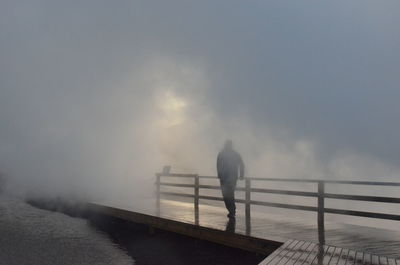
(229, 164)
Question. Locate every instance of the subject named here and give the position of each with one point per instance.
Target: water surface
(33, 236)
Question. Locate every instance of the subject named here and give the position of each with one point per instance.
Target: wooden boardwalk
(228, 238)
(268, 231)
(298, 252)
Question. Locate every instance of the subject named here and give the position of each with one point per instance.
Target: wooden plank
(286, 192)
(273, 255)
(377, 183)
(336, 256)
(290, 253)
(284, 252)
(298, 253)
(328, 255)
(318, 255)
(383, 260)
(351, 257)
(285, 180)
(176, 185)
(364, 214)
(310, 249)
(284, 205)
(176, 175)
(362, 198)
(343, 257)
(359, 258)
(374, 260)
(177, 194)
(373, 183)
(367, 259)
(391, 261)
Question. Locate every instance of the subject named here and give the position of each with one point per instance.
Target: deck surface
(299, 252)
(280, 228)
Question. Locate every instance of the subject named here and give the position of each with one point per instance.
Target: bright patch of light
(173, 103)
(173, 108)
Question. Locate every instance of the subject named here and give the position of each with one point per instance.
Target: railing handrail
(350, 182)
(338, 196)
(320, 195)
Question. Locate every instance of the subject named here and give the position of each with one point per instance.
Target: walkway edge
(253, 244)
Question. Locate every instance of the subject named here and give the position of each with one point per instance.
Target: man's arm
(219, 165)
(241, 168)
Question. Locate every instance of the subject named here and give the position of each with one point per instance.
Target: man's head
(228, 145)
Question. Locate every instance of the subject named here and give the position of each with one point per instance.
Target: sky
(96, 96)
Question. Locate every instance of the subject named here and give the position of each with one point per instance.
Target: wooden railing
(319, 194)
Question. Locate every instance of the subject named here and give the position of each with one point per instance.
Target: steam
(96, 97)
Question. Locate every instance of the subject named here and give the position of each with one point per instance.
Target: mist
(97, 96)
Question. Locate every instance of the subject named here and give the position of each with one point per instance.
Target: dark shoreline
(152, 247)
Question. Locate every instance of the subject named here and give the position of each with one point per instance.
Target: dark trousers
(228, 193)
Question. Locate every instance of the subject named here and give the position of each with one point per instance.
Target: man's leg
(229, 198)
(225, 193)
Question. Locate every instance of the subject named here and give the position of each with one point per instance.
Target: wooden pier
(321, 241)
(187, 228)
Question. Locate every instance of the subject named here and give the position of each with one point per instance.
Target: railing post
(321, 207)
(247, 206)
(165, 172)
(158, 176)
(196, 199)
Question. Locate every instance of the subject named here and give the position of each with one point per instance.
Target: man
(229, 164)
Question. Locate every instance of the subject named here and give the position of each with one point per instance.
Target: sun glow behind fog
(173, 109)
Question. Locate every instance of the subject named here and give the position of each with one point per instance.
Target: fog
(96, 96)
